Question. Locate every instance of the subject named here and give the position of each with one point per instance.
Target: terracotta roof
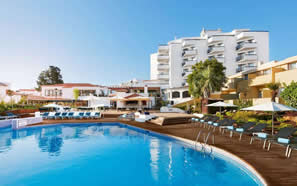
(3, 84)
(41, 98)
(132, 96)
(31, 90)
(70, 85)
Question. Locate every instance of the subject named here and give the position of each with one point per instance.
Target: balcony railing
(245, 68)
(245, 45)
(246, 57)
(187, 53)
(163, 58)
(215, 49)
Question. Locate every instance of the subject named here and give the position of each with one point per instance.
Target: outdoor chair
(87, 115)
(242, 128)
(79, 116)
(70, 115)
(283, 137)
(64, 115)
(45, 115)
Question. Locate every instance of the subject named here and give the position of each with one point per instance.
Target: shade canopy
(272, 107)
(220, 104)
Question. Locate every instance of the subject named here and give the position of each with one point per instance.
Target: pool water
(108, 154)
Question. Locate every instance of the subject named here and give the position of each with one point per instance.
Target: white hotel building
(238, 50)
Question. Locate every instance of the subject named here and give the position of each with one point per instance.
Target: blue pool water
(108, 155)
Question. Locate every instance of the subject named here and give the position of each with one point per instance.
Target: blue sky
(107, 42)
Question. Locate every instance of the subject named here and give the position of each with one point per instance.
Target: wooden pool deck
(272, 165)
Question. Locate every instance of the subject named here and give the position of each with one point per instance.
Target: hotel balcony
(244, 36)
(163, 76)
(213, 40)
(188, 53)
(188, 43)
(189, 63)
(260, 80)
(164, 49)
(163, 67)
(215, 49)
(185, 74)
(245, 68)
(163, 58)
(219, 59)
(246, 57)
(245, 45)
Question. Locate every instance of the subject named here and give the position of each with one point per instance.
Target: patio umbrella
(221, 104)
(270, 107)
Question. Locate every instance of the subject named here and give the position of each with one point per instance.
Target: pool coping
(189, 142)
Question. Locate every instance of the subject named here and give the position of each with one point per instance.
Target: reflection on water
(164, 160)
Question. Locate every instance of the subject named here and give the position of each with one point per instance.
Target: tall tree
(274, 87)
(206, 78)
(50, 76)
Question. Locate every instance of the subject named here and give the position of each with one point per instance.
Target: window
(260, 94)
(292, 66)
(175, 94)
(186, 94)
(245, 77)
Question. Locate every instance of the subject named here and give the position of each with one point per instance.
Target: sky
(110, 41)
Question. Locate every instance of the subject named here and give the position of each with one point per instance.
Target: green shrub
(243, 103)
(252, 120)
(283, 125)
(242, 116)
(229, 114)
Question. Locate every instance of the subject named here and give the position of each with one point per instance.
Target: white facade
(3, 88)
(65, 91)
(238, 50)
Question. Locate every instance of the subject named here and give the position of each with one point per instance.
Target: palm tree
(75, 94)
(274, 87)
(206, 78)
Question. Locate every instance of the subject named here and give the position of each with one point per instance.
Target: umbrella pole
(220, 110)
(272, 123)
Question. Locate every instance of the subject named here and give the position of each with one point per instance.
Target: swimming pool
(109, 154)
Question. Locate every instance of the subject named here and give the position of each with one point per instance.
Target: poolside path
(273, 165)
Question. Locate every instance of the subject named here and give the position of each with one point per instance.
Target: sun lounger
(95, 115)
(45, 115)
(283, 137)
(87, 115)
(64, 115)
(53, 115)
(57, 115)
(70, 115)
(80, 115)
(242, 129)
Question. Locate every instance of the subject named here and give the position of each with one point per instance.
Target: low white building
(4, 87)
(28, 92)
(66, 90)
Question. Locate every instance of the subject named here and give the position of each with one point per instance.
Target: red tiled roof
(132, 96)
(41, 98)
(70, 85)
(3, 84)
(31, 90)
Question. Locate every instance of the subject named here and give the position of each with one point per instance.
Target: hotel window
(292, 66)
